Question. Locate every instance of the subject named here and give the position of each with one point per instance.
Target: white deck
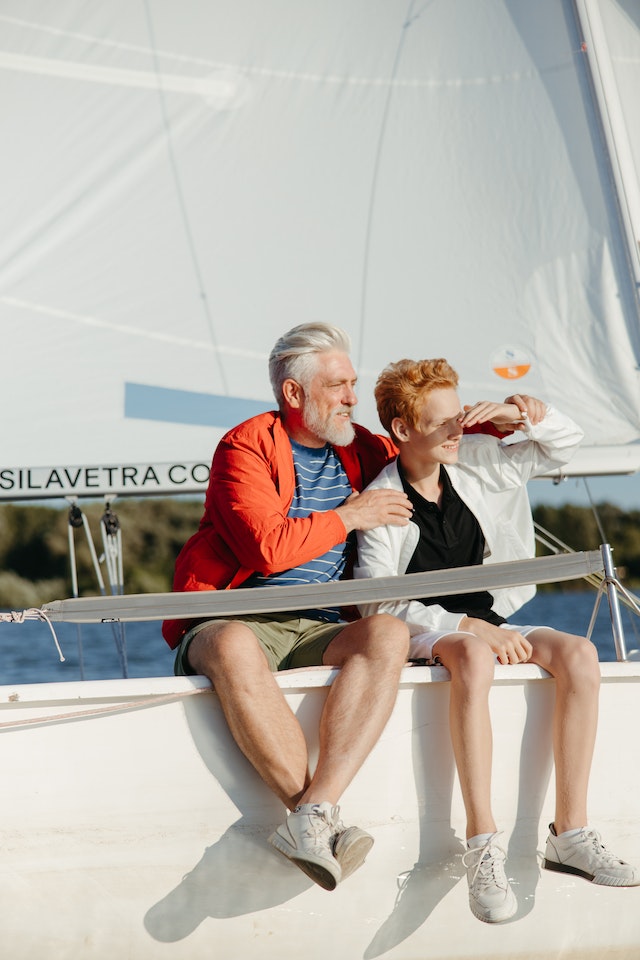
(141, 833)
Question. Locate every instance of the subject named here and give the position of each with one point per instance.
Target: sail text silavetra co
(87, 481)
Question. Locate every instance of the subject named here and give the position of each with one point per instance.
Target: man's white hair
(295, 354)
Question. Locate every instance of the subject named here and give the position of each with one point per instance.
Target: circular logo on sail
(511, 363)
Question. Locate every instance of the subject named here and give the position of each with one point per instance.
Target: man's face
(329, 400)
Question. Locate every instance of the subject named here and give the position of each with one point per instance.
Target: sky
(623, 491)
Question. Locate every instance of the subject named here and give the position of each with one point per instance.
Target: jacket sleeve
(546, 446)
(379, 552)
(245, 506)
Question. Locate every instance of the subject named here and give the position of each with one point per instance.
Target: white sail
(183, 182)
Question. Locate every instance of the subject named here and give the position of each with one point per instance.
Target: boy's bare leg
(471, 664)
(573, 662)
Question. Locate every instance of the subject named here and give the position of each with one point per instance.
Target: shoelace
(319, 822)
(336, 822)
(592, 836)
(489, 856)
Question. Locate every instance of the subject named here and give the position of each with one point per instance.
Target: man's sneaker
(350, 846)
(306, 838)
(584, 855)
(490, 897)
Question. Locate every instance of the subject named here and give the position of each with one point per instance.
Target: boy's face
(436, 437)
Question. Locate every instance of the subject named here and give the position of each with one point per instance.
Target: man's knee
(392, 630)
(381, 637)
(220, 649)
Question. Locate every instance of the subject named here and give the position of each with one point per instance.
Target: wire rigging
(182, 204)
(409, 19)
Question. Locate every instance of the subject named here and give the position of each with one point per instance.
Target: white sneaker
(490, 896)
(306, 838)
(584, 855)
(350, 846)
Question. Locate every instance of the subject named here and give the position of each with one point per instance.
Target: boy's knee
(475, 659)
(582, 657)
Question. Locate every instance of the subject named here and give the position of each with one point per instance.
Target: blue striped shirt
(320, 484)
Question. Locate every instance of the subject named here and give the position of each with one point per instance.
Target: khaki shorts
(287, 641)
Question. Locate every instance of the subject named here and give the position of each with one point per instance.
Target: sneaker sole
(314, 868)
(496, 914)
(351, 849)
(603, 879)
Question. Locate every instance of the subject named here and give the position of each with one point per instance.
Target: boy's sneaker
(490, 896)
(306, 838)
(584, 855)
(350, 846)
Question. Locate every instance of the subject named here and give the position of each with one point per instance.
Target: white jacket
(490, 477)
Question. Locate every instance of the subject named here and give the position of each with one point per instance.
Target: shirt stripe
(320, 484)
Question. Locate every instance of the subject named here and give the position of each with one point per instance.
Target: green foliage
(579, 529)
(575, 526)
(34, 544)
(35, 555)
(16, 593)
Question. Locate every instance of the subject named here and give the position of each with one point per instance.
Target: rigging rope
(594, 511)
(112, 543)
(596, 579)
(102, 711)
(33, 613)
(181, 198)
(407, 22)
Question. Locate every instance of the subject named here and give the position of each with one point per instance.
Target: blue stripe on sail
(143, 402)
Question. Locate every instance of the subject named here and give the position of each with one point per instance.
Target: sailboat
(182, 183)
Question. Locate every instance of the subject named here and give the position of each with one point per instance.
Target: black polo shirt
(450, 536)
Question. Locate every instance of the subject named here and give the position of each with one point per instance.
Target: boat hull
(133, 827)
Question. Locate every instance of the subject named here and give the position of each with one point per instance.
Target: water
(28, 653)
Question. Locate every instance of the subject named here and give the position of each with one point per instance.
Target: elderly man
(282, 500)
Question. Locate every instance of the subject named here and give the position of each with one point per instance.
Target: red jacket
(245, 528)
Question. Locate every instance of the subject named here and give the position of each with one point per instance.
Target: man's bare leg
(371, 653)
(259, 718)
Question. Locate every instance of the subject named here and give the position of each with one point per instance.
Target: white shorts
(421, 646)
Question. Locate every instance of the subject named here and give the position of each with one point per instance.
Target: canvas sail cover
(183, 182)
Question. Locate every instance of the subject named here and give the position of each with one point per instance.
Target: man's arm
(249, 511)
(375, 508)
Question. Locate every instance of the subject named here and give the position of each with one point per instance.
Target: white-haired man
(282, 500)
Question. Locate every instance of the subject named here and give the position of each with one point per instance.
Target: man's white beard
(338, 433)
